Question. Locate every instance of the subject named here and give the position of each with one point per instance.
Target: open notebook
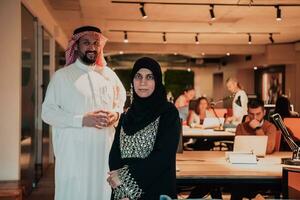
(251, 143)
(212, 122)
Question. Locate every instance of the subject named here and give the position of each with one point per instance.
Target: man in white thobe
(82, 103)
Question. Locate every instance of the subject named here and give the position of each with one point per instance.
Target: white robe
(81, 153)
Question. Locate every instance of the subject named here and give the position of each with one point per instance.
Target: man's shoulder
(107, 69)
(109, 72)
(243, 128)
(268, 124)
(244, 125)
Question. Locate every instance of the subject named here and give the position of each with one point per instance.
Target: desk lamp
(295, 160)
(212, 106)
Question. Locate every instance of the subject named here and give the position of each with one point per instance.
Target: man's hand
(112, 118)
(113, 179)
(254, 123)
(97, 119)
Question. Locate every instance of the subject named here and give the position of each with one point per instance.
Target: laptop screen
(251, 143)
(212, 122)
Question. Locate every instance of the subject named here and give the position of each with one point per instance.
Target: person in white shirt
(239, 103)
(83, 102)
(202, 110)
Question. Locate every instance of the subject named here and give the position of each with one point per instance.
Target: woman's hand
(114, 180)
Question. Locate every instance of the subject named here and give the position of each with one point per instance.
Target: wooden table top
(213, 165)
(197, 132)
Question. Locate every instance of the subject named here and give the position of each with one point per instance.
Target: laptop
(251, 143)
(212, 122)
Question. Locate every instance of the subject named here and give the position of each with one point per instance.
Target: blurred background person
(283, 108)
(257, 125)
(183, 101)
(202, 110)
(195, 120)
(239, 103)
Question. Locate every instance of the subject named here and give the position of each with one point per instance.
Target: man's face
(89, 48)
(256, 113)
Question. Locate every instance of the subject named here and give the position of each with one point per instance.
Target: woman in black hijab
(143, 155)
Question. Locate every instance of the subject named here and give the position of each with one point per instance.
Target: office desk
(206, 133)
(211, 168)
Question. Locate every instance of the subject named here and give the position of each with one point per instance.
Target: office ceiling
(180, 23)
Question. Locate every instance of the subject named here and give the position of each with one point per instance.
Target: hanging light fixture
(142, 10)
(125, 37)
(164, 37)
(278, 13)
(212, 13)
(196, 38)
(271, 38)
(249, 38)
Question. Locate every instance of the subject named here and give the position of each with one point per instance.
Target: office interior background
(255, 41)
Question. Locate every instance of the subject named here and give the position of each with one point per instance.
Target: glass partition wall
(36, 63)
(28, 129)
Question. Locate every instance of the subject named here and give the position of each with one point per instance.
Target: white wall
(10, 87)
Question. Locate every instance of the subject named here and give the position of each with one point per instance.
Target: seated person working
(254, 125)
(196, 117)
(257, 125)
(195, 120)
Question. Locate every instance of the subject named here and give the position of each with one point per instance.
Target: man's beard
(89, 61)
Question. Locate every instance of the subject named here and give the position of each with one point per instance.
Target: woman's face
(232, 86)
(143, 83)
(203, 105)
(190, 94)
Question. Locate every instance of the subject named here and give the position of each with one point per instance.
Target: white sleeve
(244, 102)
(52, 110)
(120, 95)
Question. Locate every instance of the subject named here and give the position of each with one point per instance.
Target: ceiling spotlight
(125, 37)
(255, 68)
(278, 13)
(164, 37)
(142, 10)
(227, 54)
(203, 54)
(271, 38)
(189, 69)
(196, 38)
(212, 13)
(121, 52)
(249, 38)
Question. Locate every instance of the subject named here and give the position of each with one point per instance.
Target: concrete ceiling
(227, 33)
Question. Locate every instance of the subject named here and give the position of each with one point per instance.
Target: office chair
(291, 183)
(294, 125)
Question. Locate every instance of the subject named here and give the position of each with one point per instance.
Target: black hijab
(143, 111)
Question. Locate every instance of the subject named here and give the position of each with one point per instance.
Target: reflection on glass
(59, 57)
(28, 99)
(46, 77)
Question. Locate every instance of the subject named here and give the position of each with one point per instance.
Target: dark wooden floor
(45, 187)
